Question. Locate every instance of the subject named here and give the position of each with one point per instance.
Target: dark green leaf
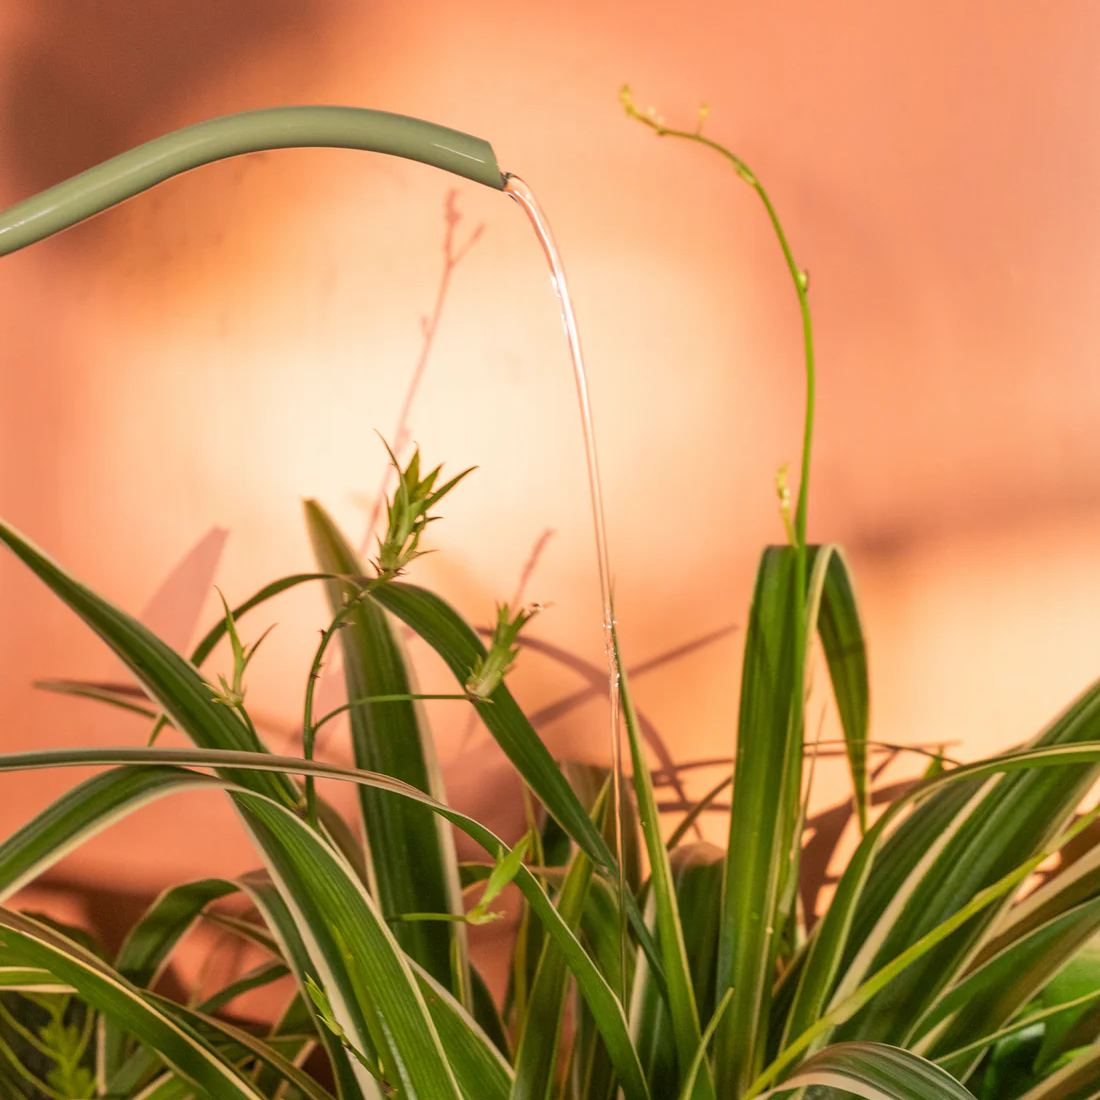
(411, 851)
(149, 944)
(764, 810)
(537, 1049)
(841, 634)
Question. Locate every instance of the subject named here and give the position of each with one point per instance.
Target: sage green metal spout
(130, 173)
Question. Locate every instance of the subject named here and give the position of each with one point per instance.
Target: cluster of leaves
(920, 951)
(409, 513)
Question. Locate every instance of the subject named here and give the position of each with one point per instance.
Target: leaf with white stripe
(988, 997)
(359, 962)
(107, 992)
(481, 1071)
(862, 921)
(81, 813)
(872, 1071)
(606, 1010)
(412, 853)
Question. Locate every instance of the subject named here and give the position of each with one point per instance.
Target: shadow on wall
(84, 85)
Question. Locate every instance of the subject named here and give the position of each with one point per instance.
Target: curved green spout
(130, 173)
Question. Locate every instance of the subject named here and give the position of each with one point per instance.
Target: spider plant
(939, 970)
(920, 948)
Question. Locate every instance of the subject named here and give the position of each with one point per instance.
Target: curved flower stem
(798, 276)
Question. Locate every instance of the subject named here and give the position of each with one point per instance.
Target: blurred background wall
(185, 369)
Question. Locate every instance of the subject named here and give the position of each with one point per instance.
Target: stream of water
(523, 195)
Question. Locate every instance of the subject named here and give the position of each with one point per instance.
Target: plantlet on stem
(232, 694)
(504, 870)
(488, 671)
(408, 513)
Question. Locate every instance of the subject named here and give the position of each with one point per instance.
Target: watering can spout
(135, 171)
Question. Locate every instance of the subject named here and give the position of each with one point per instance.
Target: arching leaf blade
(415, 869)
(187, 1053)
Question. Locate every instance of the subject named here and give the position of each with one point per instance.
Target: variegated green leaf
(766, 789)
(359, 963)
(968, 825)
(871, 1071)
(105, 990)
(221, 1034)
(537, 1049)
(479, 1068)
(605, 1007)
(412, 854)
(987, 998)
(81, 813)
(832, 608)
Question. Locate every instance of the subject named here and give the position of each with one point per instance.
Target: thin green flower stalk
(799, 276)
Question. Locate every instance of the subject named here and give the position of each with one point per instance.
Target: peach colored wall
(217, 350)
